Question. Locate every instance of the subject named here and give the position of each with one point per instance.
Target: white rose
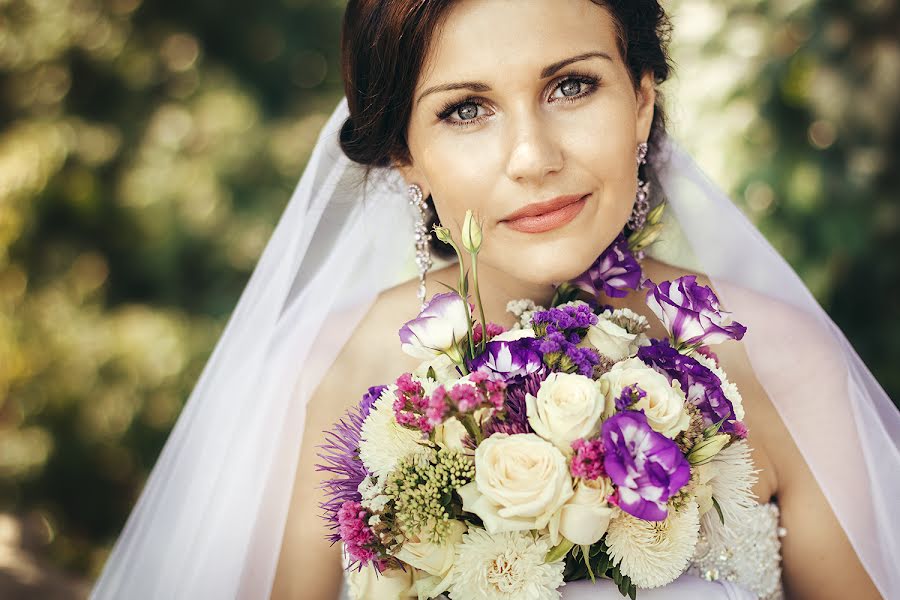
(585, 517)
(612, 341)
(392, 584)
(568, 406)
(450, 435)
(434, 559)
(521, 481)
(664, 402)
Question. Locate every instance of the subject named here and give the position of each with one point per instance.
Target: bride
(535, 115)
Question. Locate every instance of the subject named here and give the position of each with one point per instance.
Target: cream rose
(392, 584)
(612, 341)
(450, 435)
(568, 406)
(664, 402)
(584, 518)
(434, 559)
(521, 481)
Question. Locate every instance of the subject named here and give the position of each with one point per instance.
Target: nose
(534, 151)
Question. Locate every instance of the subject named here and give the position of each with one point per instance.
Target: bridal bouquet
(568, 447)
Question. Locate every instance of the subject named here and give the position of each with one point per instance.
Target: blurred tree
(147, 149)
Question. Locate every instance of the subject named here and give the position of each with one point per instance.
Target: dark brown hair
(385, 43)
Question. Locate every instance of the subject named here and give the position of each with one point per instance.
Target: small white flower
(505, 566)
(664, 402)
(523, 310)
(373, 496)
(568, 406)
(654, 553)
(383, 441)
(728, 388)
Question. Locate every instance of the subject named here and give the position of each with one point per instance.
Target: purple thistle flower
(340, 457)
(647, 467)
(614, 271)
(702, 387)
(587, 461)
(369, 398)
(514, 419)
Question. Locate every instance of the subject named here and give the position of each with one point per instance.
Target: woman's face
(527, 102)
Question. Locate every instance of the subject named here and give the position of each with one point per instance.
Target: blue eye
(571, 86)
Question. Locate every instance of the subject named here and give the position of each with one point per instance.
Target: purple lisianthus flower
(701, 386)
(647, 467)
(444, 319)
(614, 271)
(691, 312)
(509, 359)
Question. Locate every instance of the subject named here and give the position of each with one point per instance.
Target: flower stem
(472, 428)
(478, 299)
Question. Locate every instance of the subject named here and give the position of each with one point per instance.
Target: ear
(646, 99)
(411, 175)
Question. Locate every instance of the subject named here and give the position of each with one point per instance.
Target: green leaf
(431, 374)
(718, 510)
(558, 551)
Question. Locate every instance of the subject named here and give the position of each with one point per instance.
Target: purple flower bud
(444, 319)
(647, 467)
(691, 312)
(614, 271)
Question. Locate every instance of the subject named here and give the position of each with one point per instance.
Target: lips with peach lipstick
(545, 216)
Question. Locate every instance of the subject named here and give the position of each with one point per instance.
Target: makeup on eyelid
(590, 82)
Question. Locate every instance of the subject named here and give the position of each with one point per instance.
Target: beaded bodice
(753, 561)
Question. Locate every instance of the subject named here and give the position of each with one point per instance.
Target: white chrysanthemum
(654, 553)
(505, 566)
(383, 441)
(728, 388)
(732, 481)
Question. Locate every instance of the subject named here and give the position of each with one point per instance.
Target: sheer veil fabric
(210, 520)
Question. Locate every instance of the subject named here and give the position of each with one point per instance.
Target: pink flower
(358, 538)
(587, 462)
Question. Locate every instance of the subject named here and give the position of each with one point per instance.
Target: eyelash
(449, 109)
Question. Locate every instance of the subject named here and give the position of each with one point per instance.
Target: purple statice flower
(369, 398)
(647, 467)
(691, 313)
(353, 528)
(701, 386)
(411, 404)
(577, 317)
(587, 461)
(340, 457)
(614, 271)
(508, 359)
(629, 396)
(562, 353)
(513, 418)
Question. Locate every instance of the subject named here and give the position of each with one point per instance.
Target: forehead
(481, 39)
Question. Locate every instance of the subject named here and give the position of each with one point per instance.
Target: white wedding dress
(748, 568)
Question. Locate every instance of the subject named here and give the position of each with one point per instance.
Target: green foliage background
(147, 149)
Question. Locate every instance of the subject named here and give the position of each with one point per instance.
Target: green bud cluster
(422, 488)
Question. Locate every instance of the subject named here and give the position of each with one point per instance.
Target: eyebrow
(478, 86)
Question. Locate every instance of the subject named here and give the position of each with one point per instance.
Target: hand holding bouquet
(569, 447)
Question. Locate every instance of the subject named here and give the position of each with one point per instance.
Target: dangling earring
(423, 237)
(641, 204)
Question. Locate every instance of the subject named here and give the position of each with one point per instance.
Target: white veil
(210, 519)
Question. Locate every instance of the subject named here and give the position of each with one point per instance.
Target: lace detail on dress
(753, 561)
